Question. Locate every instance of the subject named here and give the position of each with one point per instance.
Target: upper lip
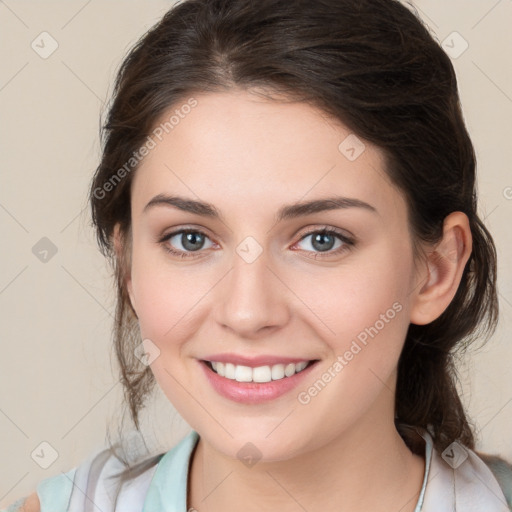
(254, 362)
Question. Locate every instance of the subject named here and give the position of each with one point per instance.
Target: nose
(252, 300)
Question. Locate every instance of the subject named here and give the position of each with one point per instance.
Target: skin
(249, 156)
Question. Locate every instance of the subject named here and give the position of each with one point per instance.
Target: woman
(287, 193)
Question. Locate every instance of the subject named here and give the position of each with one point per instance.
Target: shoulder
(25, 504)
(31, 504)
(502, 471)
(53, 494)
(100, 477)
(103, 479)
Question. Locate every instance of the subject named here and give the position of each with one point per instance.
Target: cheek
(366, 311)
(368, 291)
(167, 308)
(173, 303)
(155, 296)
(363, 316)
(165, 303)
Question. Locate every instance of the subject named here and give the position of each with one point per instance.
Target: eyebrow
(286, 212)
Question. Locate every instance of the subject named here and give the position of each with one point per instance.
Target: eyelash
(347, 242)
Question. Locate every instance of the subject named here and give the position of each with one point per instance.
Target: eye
(324, 241)
(187, 240)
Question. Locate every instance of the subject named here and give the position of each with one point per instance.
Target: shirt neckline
(168, 489)
(428, 460)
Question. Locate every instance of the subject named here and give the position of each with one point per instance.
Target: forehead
(237, 147)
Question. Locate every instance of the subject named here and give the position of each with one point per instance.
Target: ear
(445, 263)
(123, 261)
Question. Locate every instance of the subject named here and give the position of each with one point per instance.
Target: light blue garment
(168, 489)
(54, 492)
(163, 488)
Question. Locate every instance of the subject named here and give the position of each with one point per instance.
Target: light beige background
(56, 374)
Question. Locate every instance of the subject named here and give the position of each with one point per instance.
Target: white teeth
(259, 374)
(243, 373)
(300, 366)
(262, 374)
(229, 371)
(277, 371)
(289, 369)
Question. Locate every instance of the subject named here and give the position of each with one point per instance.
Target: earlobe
(444, 268)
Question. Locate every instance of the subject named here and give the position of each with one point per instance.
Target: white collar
(458, 482)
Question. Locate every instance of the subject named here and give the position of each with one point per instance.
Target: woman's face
(264, 288)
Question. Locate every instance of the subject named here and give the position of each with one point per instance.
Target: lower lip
(253, 392)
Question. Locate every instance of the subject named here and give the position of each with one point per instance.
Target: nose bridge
(252, 297)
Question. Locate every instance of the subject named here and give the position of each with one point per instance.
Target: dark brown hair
(373, 65)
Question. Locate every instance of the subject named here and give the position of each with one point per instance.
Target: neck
(368, 467)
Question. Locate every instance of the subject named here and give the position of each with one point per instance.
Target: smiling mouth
(259, 374)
